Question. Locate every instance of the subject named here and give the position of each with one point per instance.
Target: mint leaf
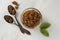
(45, 25)
(44, 32)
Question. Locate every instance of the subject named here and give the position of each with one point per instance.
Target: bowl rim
(27, 9)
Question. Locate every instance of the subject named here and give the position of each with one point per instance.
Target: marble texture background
(50, 10)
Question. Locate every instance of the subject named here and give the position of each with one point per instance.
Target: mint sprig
(43, 28)
(45, 25)
(44, 32)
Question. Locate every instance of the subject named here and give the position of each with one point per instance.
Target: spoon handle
(21, 28)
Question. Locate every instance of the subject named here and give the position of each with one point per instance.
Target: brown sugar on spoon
(11, 10)
(31, 18)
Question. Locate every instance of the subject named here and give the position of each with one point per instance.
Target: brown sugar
(16, 4)
(11, 10)
(9, 19)
(16, 7)
(31, 18)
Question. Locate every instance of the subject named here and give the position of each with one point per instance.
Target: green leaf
(44, 32)
(45, 25)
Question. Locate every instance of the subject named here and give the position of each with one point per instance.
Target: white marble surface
(50, 10)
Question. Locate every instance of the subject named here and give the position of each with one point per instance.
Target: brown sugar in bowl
(31, 17)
